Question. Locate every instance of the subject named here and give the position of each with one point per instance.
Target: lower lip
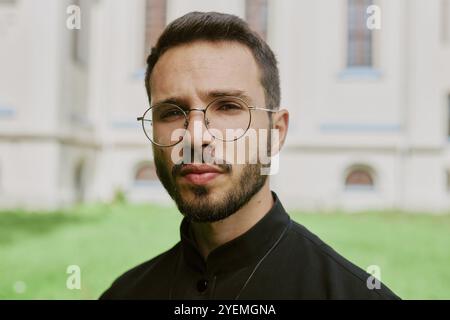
(201, 178)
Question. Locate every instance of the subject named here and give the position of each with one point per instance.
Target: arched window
(145, 173)
(359, 37)
(359, 178)
(256, 16)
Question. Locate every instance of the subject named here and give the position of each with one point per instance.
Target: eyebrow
(182, 102)
(230, 93)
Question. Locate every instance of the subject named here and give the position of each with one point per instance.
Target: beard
(201, 207)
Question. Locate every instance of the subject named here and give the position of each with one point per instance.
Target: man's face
(188, 74)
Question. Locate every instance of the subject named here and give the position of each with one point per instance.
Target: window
(359, 37)
(8, 16)
(155, 22)
(80, 38)
(256, 16)
(359, 178)
(145, 173)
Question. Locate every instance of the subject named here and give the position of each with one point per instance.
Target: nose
(200, 138)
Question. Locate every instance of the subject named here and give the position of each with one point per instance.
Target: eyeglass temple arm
(263, 109)
(142, 119)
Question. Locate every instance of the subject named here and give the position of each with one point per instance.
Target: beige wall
(393, 121)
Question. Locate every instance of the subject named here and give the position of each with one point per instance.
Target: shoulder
(124, 286)
(339, 278)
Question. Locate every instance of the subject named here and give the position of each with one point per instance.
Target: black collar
(241, 251)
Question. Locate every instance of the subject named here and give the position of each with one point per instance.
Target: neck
(214, 234)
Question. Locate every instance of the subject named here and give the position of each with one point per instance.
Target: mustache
(224, 165)
(176, 169)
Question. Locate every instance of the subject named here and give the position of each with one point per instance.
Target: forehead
(192, 69)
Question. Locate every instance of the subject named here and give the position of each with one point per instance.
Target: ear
(281, 124)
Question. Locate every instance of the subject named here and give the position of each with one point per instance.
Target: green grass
(413, 251)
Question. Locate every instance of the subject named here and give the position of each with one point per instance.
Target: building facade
(370, 107)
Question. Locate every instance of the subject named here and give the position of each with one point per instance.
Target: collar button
(202, 285)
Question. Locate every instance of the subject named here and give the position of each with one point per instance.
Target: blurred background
(366, 164)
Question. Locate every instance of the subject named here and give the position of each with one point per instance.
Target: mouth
(200, 174)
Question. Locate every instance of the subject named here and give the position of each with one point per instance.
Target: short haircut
(215, 27)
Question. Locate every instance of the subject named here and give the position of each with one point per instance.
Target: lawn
(36, 248)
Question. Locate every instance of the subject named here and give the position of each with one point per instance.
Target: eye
(173, 113)
(229, 106)
(169, 114)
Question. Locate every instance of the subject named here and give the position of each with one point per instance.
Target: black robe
(276, 259)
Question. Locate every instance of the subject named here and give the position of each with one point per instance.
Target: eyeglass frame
(186, 113)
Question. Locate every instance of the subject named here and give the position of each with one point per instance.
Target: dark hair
(214, 26)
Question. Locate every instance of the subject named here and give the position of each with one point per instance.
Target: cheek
(163, 158)
(235, 173)
(242, 151)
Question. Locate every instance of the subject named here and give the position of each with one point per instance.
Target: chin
(198, 192)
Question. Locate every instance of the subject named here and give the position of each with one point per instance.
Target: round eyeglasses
(226, 118)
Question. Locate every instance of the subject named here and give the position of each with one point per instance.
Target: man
(207, 74)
